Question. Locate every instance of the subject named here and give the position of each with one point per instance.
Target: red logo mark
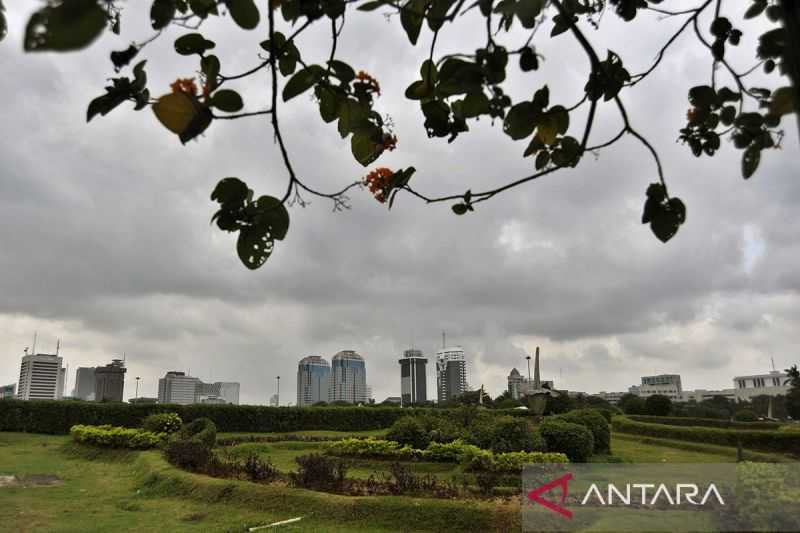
(535, 495)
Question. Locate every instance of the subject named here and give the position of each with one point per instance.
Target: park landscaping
(425, 470)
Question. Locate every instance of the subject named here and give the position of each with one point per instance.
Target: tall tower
(537, 382)
(348, 378)
(413, 383)
(451, 373)
(313, 380)
(110, 381)
(41, 377)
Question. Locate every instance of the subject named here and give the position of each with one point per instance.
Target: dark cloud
(106, 240)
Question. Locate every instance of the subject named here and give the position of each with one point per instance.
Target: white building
(611, 397)
(348, 378)
(772, 384)
(41, 377)
(177, 387)
(700, 395)
(8, 391)
(668, 385)
(451, 373)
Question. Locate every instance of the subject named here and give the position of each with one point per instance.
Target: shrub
(188, 453)
(657, 405)
(703, 422)
(316, 471)
(487, 480)
(595, 422)
(768, 441)
(632, 404)
(574, 440)
(162, 423)
(409, 431)
(508, 463)
(115, 437)
(201, 430)
(373, 448)
(745, 415)
(404, 480)
(504, 434)
(451, 452)
(258, 469)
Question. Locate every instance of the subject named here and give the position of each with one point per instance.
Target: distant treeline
(57, 417)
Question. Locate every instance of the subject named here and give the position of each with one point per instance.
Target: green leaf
(244, 13)
(161, 13)
(520, 121)
(254, 246)
(755, 9)
(192, 43)
(528, 10)
(3, 23)
(302, 81)
(64, 26)
(210, 66)
(460, 209)
(328, 103)
(342, 70)
(411, 16)
(750, 160)
(371, 6)
(782, 102)
(365, 146)
(229, 191)
(702, 96)
(203, 8)
(139, 77)
(271, 212)
(227, 100)
(528, 60)
(542, 160)
(352, 116)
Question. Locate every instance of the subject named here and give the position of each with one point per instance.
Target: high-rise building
(519, 386)
(84, 383)
(41, 377)
(217, 392)
(774, 383)
(8, 391)
(109, 381)
(313, 380)
(273, 400)
(451, 373)
(413, 383)
(177, 387)
(348, 378)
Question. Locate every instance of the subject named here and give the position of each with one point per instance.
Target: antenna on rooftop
(443, 340)
(772, 359)
(58, 346)
(33, 350)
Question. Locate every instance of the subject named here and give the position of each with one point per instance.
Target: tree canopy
(451, 92)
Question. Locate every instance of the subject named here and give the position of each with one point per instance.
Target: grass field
(138, 491)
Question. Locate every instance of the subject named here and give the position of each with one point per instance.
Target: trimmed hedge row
(57, 417)
(704, 422)
(768, 441)
(116, 437)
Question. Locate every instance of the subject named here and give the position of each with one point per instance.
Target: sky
(106, 242)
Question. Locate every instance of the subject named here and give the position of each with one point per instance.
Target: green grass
(311, 433)
(138, 491)
(641, 449)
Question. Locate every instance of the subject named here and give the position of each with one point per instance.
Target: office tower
(8, 391)
(413, 383)
(177, 387)
(451, 373)
(84, 383)
(313, 380)
(41, 377)
(109, 381)
(218, 392)
(348, 378)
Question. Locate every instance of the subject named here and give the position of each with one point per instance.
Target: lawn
(311, 433)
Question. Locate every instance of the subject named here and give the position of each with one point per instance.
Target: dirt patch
(39, 480)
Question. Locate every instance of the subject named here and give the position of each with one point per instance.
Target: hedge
(117, 437)
(704, 422)
(56, 417)
(768, 441)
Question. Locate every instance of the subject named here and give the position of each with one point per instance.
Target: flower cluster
(188, 87)
(370, 83)
(389, 141)
(380, 183)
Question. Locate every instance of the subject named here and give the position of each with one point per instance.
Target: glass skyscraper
(313, 380)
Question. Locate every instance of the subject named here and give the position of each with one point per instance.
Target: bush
(409, 431)
(573, 440)
(745, 415)
(201, 430)
(703, 422)
(257, 469)
(487, 480)
(162, 423)
(188, 453)
(57, 417)
(508, 463)
(768, 441)
(657, 405)
(632, 404)
(504, 434)
(371, 448)
(116, 437)
(316, 471)
(595, 422)
(451, 452)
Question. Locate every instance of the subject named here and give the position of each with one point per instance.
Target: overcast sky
(105, 241)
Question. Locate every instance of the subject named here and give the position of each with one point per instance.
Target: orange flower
(389, 142)
(184, 85)
(691, 115)
(371, 83)
(379, 182)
